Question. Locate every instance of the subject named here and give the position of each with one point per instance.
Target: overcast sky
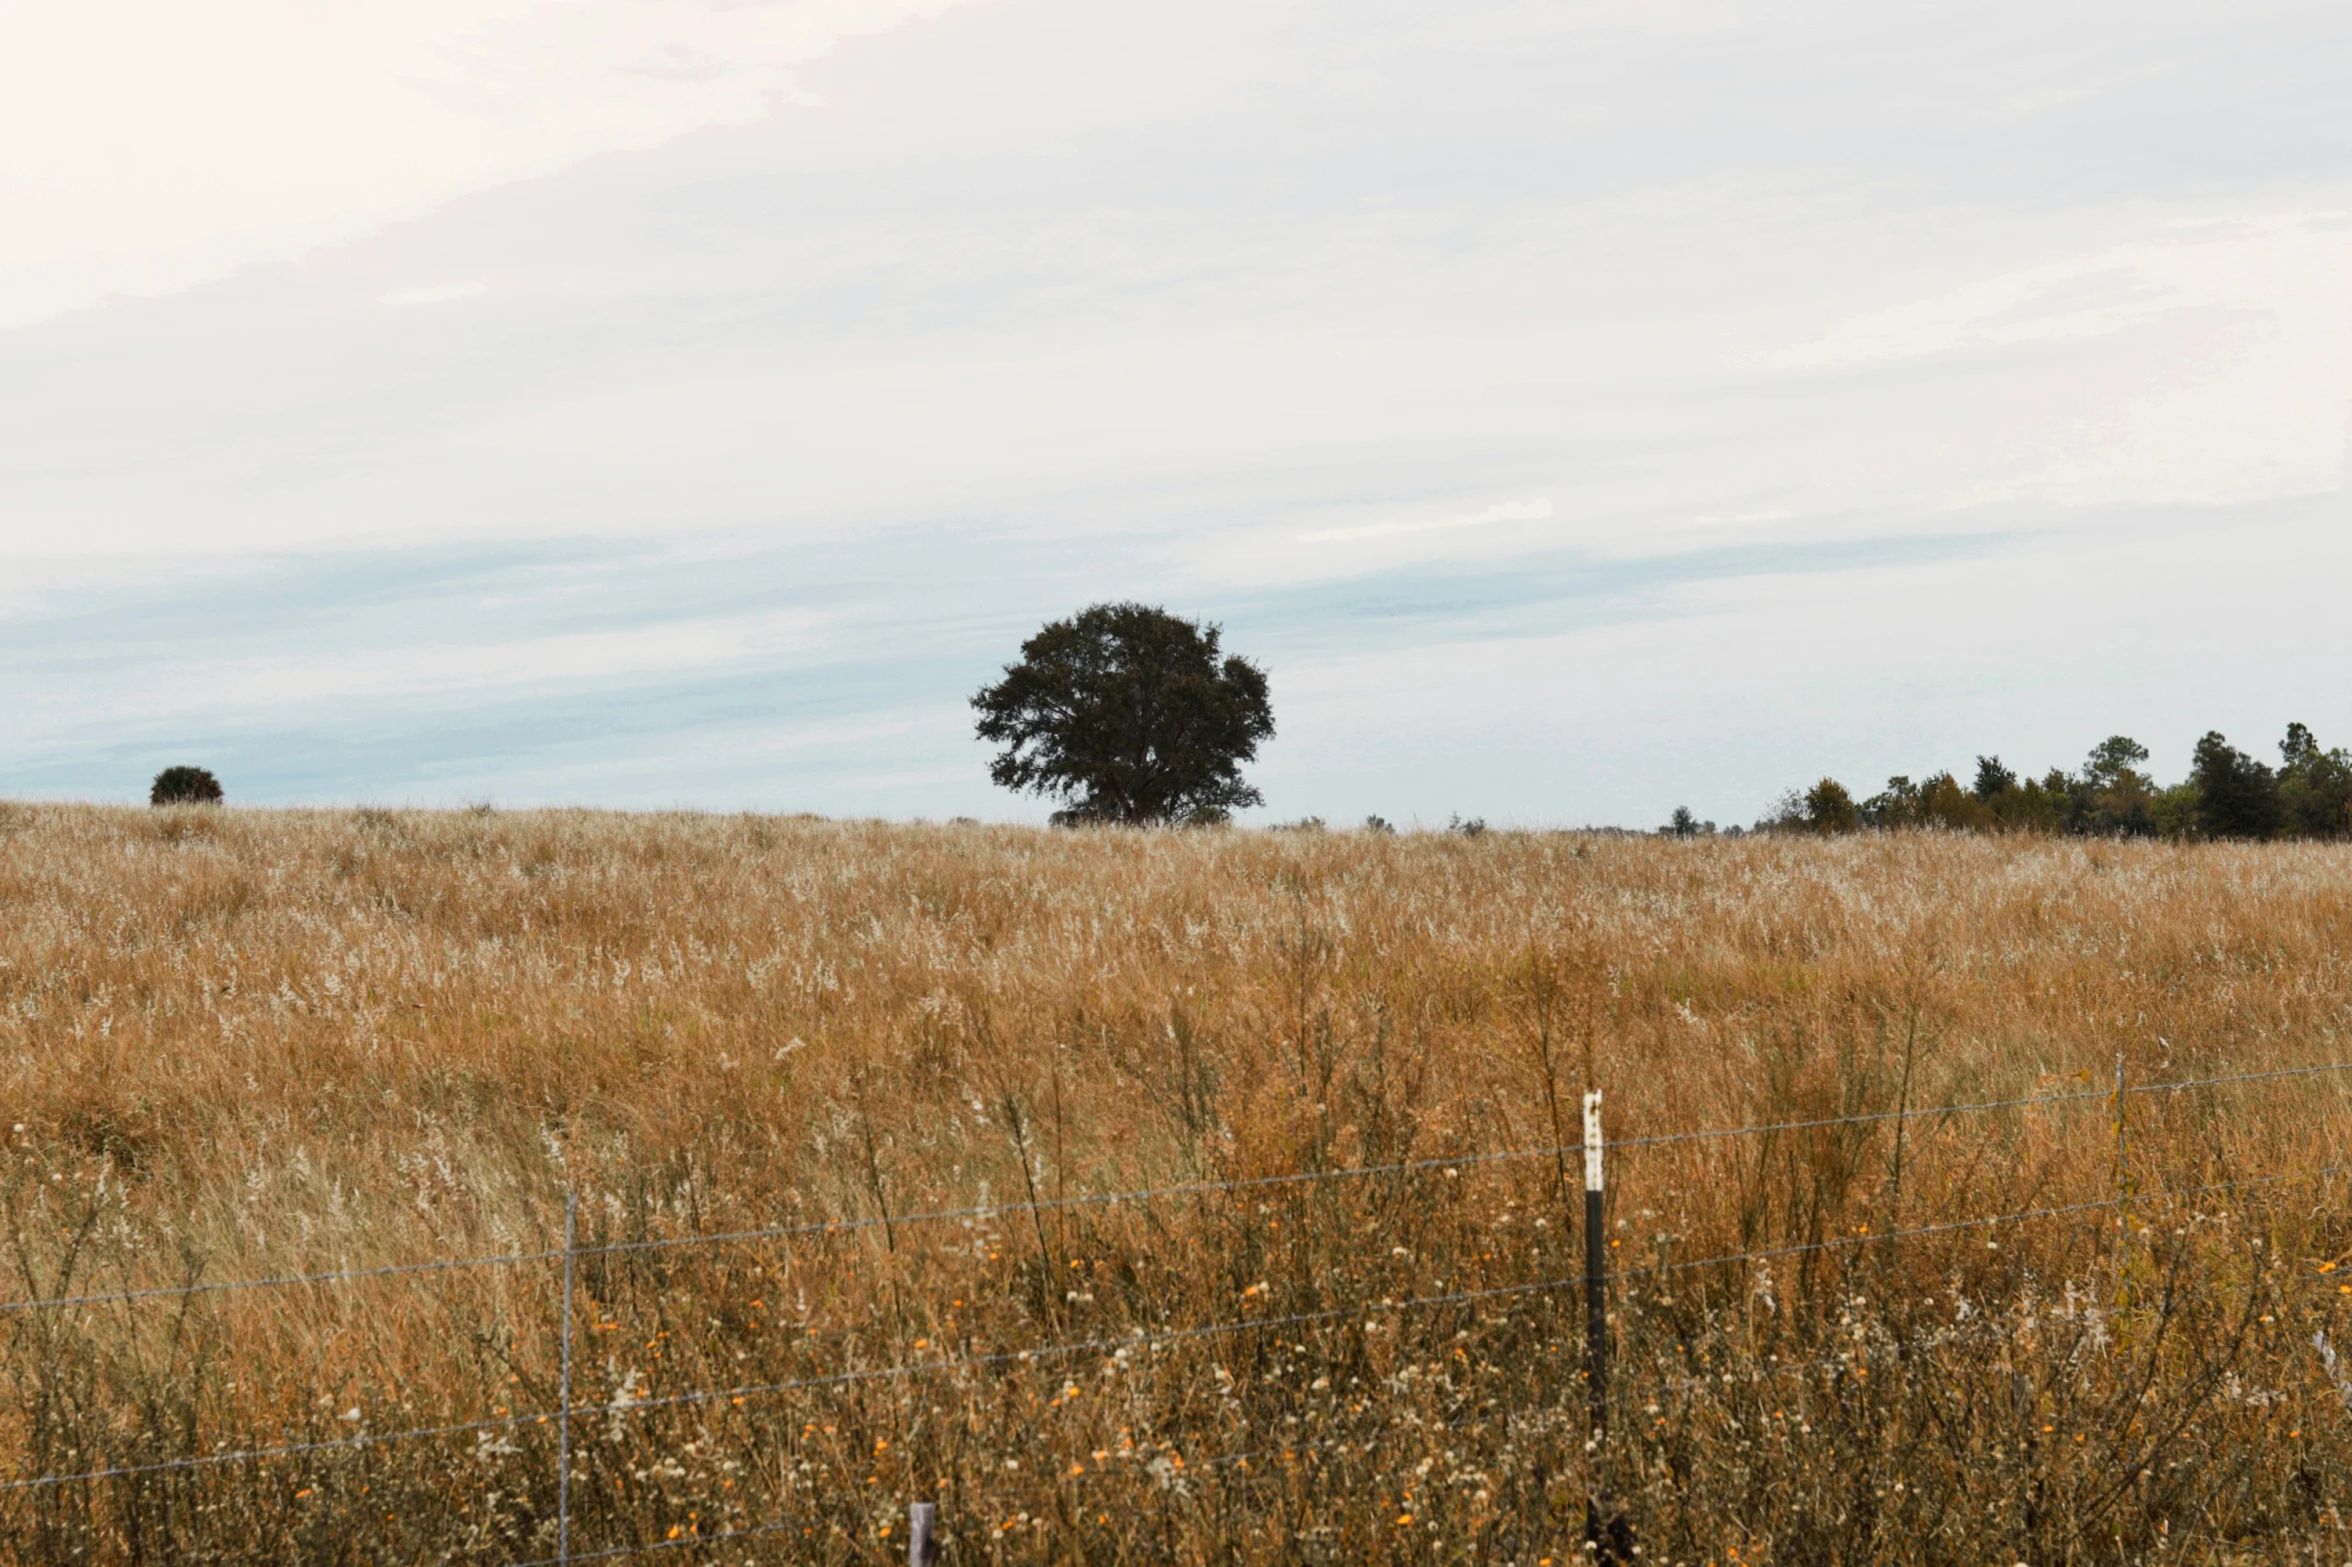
(1581, 409)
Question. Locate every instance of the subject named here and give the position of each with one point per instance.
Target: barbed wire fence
(1594, 1281)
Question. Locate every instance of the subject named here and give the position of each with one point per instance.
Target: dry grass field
(245, 1044)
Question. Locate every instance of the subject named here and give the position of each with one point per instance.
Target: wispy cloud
(145, 146)
(1503, 511)
(434, 293)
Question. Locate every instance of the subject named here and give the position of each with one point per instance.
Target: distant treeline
(2228, 794)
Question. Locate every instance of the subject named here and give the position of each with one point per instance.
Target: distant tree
(1937, 802)
(2237, 796)
(1131, 715)
(2114, 798)
(1829, 808)
(1943, 803)
(1897, 805)
(2029, 806)
(185, 786)
(2315, 786)
(2112, 759)
(1682, 824)
(1378, 825)
(1992, 779)
(2068, 799)
(2173, 812)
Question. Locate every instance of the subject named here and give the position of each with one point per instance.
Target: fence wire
(1132, 1340)
(1150, 1340)
(1299, 1319)
(285, 1450)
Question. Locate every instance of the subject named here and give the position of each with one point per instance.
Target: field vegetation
(241, 1044)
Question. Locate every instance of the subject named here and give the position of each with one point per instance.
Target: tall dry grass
(242, 1044)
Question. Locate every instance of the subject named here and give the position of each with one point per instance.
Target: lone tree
(185, 786)
(1130, 715)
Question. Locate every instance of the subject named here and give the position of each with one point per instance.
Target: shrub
(1829, 808)
(185, 786)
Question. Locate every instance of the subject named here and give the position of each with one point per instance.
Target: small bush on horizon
(185, 786)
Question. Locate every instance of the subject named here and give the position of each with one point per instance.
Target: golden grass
(237, 1044)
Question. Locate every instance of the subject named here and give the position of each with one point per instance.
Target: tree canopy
(2237, 796)
(1130, 715)
(2228, 794)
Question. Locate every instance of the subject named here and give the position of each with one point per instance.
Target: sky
(1580, 409)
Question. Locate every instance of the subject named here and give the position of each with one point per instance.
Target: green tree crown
(1829, 808)
(1129, 714)
(2315, 786)
(2237, 796)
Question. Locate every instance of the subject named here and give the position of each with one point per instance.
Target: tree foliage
(185, 786)
(1829, 808)
(2315, 786)
(2237, 796)
(2228, 794)
(1130, 715)
(1685, 823)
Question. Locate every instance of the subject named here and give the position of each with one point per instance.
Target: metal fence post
(1608, 1533)
(563, 1418)
(1596, 1261)
(922, 1544)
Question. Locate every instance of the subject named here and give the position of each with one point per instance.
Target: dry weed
(240, 1044)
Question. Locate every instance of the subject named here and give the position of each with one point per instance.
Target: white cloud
(2267, 262)
(146, 144)
(1503, 511)
(434, 293)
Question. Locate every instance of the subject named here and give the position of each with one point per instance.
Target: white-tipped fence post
(563, 1416)
(1596, 1263)
(922, 1544)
